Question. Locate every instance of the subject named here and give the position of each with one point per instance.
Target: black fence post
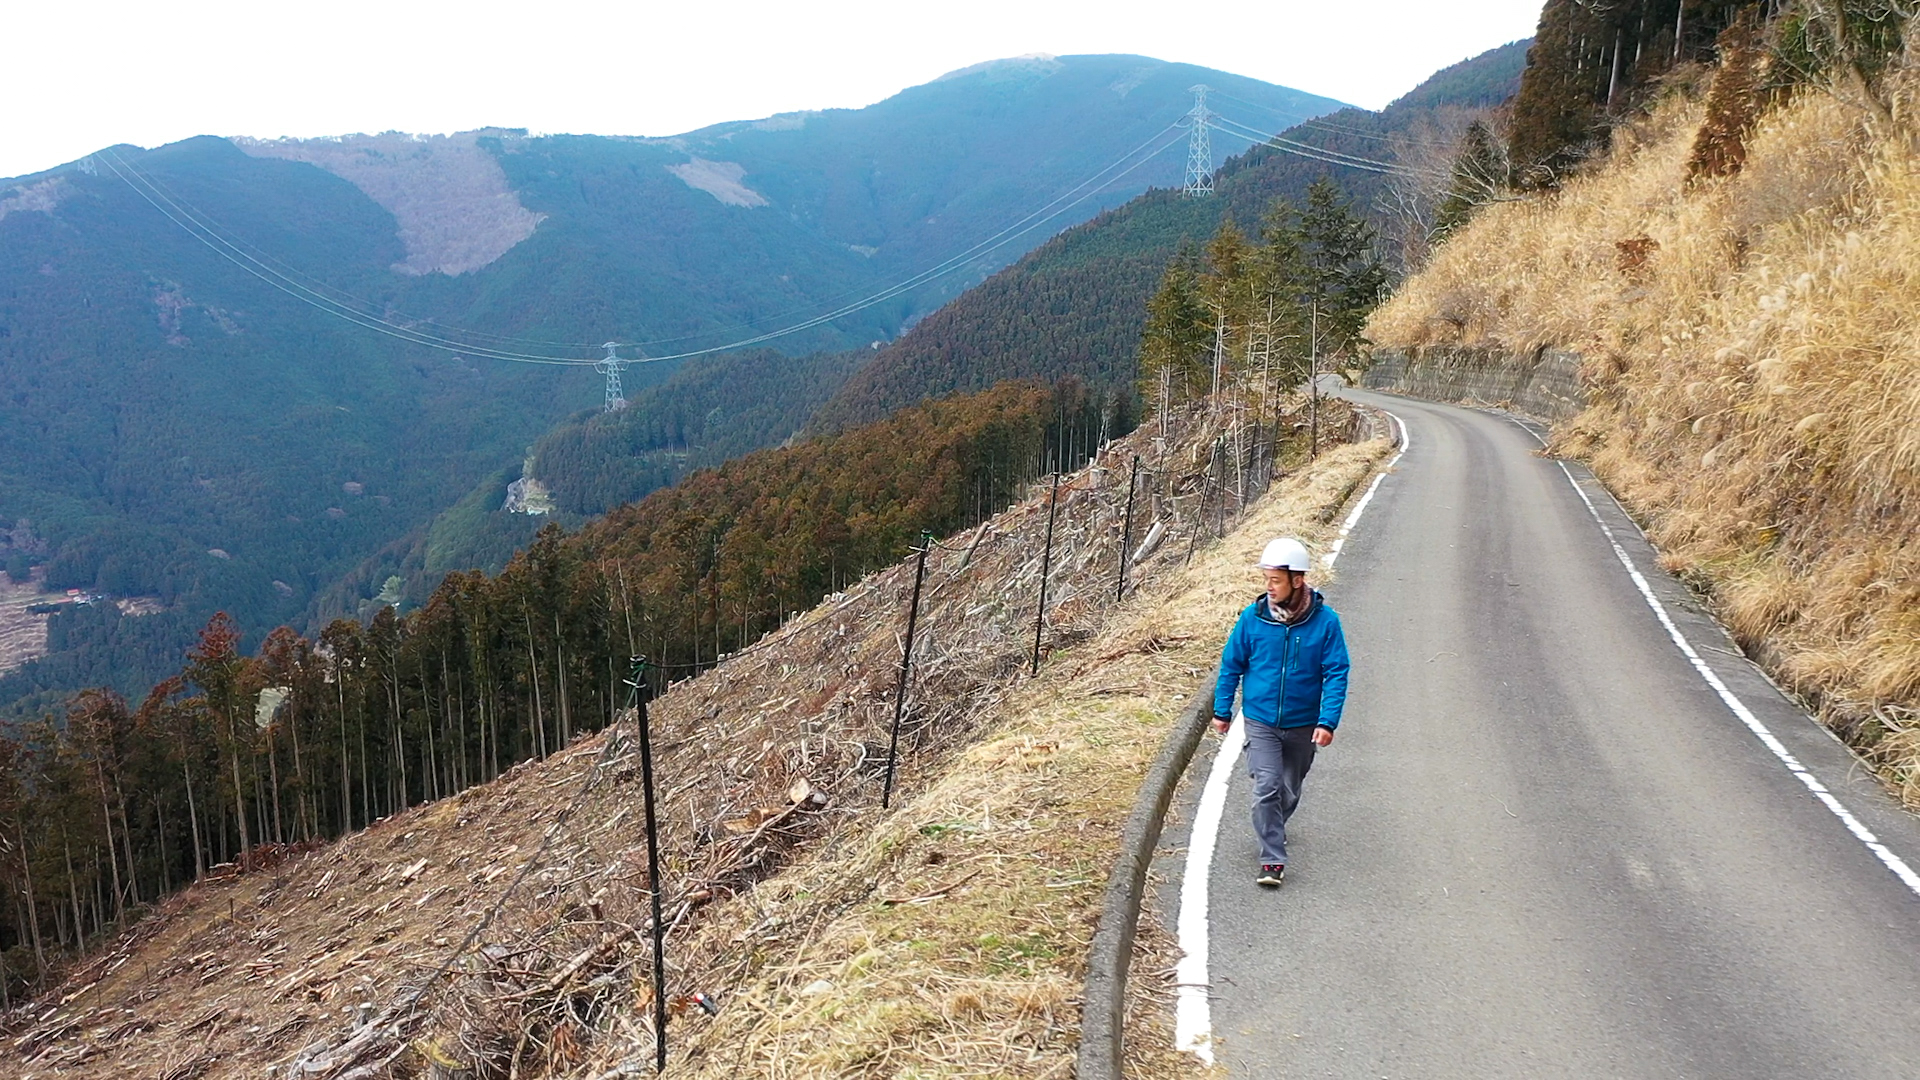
(1200, 516)
(1220, 467)
(1273, 447)
(906, 665)
(1046, 565)
(653, 871)
(1126, 530)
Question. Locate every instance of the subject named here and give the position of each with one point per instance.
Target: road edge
(1103, 1000)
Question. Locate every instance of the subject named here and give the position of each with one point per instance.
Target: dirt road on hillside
(1544, 844)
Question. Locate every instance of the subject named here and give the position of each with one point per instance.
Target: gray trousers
(1278, 759)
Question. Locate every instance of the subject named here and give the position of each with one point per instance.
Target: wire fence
(793, 741)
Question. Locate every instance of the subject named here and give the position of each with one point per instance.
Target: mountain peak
(1024, 63)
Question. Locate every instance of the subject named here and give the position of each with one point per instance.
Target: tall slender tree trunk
(113, 853)
(33, 909)
(73, 893)
(395, 707)
(366, 764)
(429, 760)
(262, 814)
(480, 731)
(193, 821)
(166, 862)
(346, 782)
(273, 768)
(239, 791)
(560, 677)
(300, 790)
(539, 714)
(457, 775)
(126, 840)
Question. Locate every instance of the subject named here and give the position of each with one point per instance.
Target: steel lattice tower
(1199, 146)
(611, 367)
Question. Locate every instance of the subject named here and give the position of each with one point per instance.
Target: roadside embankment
(1751, 375)
(1544, 383)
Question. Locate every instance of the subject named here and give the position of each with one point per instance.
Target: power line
(177, 212)
(1322, 154)
(1289, 117)
(1286, 148)
(225, 249)
(999, 240)
(856, 289)
(213, 224)
(1281, 140)
(1329, 125)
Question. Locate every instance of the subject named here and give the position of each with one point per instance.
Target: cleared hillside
(1753, 380)
(947, 934)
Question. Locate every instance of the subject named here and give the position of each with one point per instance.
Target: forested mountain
(706, 412)
(1074, 305)
(181, 420)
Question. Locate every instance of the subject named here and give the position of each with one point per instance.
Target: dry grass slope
(1753, 368)
(951, 941)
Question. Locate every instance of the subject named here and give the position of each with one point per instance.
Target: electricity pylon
(611, 367)
(1199, 147)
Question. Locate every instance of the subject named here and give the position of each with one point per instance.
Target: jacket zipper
(1286, 658)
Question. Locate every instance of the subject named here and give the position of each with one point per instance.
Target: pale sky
(78, 77)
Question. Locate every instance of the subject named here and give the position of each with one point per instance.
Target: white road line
(1739, 708)
(1193, 1005)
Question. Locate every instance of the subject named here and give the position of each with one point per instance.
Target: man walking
(1288, 659)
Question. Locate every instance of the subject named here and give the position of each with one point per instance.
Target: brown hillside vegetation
(1752, 351)
(946, 937)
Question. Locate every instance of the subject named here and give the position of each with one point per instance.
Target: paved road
(1542, 845)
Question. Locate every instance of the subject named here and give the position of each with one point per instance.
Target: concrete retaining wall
(1545, 385)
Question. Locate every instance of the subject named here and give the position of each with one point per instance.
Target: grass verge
(951, 940)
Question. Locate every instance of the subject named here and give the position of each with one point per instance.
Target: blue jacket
(1289, 676)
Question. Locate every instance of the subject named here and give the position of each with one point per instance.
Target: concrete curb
(1104, 999)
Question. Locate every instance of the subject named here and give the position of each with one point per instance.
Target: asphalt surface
(1541, 845)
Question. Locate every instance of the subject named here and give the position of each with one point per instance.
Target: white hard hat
(1285, 553)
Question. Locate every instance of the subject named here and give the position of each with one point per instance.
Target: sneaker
(1271, 875)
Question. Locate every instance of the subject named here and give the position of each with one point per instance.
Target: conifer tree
(1281, 279)
(1345, 274)
(1174, 341)
(216, 667)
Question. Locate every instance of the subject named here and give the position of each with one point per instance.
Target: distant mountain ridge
(159, 403)
(1073, 307)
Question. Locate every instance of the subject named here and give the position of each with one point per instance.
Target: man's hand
(1221, 724)
(1322, 736)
